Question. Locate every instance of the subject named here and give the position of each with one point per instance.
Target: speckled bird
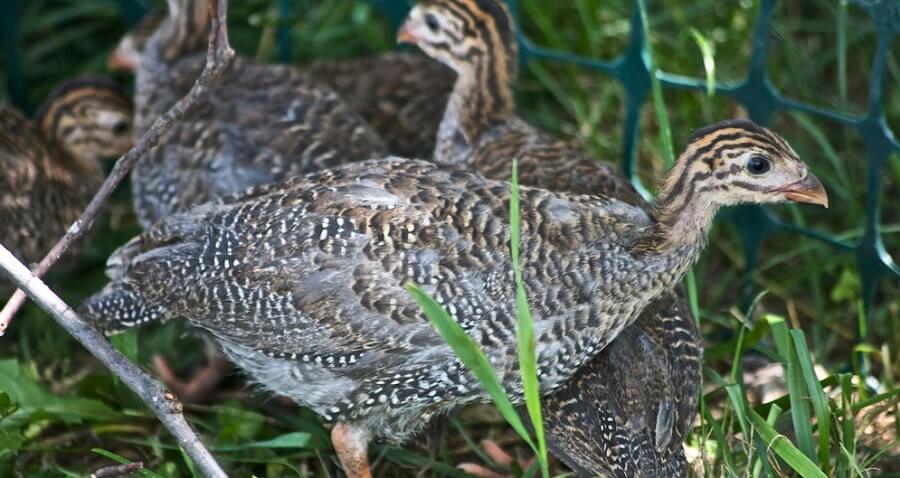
(261, 123)
(400, 95)
(480, 129)
(303, 283)
(49, 167)
(626, 413)
(628, 410)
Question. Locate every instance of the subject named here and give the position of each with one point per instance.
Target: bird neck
(683, 217)
(172, 54)
(183, 32)
(482, 96)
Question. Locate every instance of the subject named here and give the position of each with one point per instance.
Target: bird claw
(500, 457)
(198, 388)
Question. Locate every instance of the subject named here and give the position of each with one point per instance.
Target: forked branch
(165, 405)
(218, 55)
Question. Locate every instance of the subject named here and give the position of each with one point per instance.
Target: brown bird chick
(303, 283)
(626, 413)
(400, 95)
(628, 410)
(49, 167)
(261, 123)
(480, 129)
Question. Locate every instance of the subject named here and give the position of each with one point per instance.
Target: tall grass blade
(816, 395)
(785, 449)
(471, 356)
(665, 131)
(842, 49)
(763, 463)
(525, 330)
(707, 50)
(736, 396)
(800, 415)
(848, 430)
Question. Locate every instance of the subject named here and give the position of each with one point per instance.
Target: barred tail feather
(118, 308)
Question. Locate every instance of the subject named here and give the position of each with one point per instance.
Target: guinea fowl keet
(261, 123)
(480, 129)
(624, 413)
(400, 95)
(302, 283)
(49, 167)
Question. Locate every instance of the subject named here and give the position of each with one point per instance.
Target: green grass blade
(707, 50)
(796, 387)
(471, 356)
(736, 396)
(763, 463)
(816, 395)
(784, 448)
(842, 48)
(848, 430)
(525, 330)
(665, 131)
(690, 281)
(722, 447)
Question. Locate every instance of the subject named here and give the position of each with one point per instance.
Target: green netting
(760, 99)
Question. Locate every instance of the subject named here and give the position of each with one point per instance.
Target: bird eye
(432, 23)
(758, 165)
(120, 128)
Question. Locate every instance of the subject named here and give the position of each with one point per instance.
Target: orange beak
(122, 60)
(405, 36)
(808, 190)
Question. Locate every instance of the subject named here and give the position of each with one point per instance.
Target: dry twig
(161, 402)
(166, 406)
(218, 55)
(117, 470)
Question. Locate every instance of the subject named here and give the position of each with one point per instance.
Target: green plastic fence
(755, 93)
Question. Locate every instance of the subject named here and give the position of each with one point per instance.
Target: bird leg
(352, 446)
(200, 385)
(498, 456)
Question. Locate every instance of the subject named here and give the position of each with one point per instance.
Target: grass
(473, 358)
(828, 414)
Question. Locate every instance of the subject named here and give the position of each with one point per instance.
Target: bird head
(462, 33)
(90, 117)
(736, 162)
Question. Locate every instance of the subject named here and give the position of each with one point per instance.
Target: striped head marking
(463, 34)
(735, 162)
(90, 117)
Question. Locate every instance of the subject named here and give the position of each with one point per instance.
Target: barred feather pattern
(302, 283)
(626, 413)
(400, 95)
(261, 123)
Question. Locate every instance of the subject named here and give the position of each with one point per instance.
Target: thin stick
(218, 55)
(165, 405)
(117, 470)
